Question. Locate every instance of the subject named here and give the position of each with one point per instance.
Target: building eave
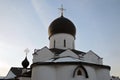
(70, 63)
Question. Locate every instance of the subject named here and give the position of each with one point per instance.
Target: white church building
(61, 61)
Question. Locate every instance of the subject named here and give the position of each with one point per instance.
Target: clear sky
(24, 24)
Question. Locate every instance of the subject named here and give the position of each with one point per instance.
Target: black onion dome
(62, 25)
(25, 63)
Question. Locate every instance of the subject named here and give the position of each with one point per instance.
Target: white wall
(24, 78)
(59, 41)
(42, 55)
(43, 73)
(91, 73)
(91, 57)
(65, 72)
(68, 53)
(103, 74)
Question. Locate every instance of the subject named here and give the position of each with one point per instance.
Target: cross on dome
(62, 10)
(26, 51)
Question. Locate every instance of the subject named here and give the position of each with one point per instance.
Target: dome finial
(62, 10)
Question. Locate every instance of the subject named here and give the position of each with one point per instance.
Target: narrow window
(64, 43)
(73, 45)
(79, 73)
(54, 43)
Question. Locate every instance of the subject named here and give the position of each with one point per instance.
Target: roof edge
(69, 63)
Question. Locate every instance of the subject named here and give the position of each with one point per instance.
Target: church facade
(61, 61)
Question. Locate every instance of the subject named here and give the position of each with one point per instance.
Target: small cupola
(25, 62)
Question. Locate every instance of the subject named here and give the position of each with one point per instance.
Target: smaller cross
(62, 10)
(26, 51)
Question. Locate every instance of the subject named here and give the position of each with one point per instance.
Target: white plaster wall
(68, 53)
(53, 72)
(59, 40)
(103, 74)
(59, 72)
(80, 78)
(24, 78)
(91, 72)
(42, 55)
(100, 60)
(43, 73)
(65, 72)
(92, 58)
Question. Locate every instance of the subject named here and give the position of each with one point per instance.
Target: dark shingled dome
(25, 63)
(62, 25)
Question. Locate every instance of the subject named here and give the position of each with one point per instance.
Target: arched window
(79, 73)
(54, 43)
(64, 43)
(73, 44)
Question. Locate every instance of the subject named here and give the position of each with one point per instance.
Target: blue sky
(24, 24)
